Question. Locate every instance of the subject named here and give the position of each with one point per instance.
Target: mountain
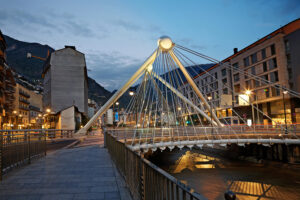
(16, 52)
(31, 69)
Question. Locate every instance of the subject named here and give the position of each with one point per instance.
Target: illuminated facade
(274, 58)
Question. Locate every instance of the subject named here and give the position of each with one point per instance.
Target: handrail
(144, 179)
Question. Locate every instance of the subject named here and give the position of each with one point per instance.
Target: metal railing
(144, 179)
(18, 147)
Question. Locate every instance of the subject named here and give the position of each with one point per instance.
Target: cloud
(51, 22)
(111, 70)
(127, 25)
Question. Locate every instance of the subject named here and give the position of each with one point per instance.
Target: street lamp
(248, 93)
(209, 99)
(283, 93)
(131, 93)
(48, 110)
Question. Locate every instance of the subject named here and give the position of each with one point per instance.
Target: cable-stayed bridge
(169, 109)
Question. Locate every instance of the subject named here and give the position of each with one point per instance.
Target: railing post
(28, 139)
(45, 142)
(104, 134)
(1, 153)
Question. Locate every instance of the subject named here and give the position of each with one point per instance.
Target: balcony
(9, 90)
(23, 107)
(24, 94)
(24, 101)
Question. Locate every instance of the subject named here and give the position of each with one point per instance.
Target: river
(211, 175)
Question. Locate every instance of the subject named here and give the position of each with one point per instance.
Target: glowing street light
(248, 92)
(131, 93)
(117, 103)
(48, 110)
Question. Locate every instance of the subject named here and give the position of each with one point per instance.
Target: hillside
(31, 69)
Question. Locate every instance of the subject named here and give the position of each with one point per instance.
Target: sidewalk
(79, 173)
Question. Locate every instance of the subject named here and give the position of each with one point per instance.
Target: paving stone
(89, 196)
(79, 173)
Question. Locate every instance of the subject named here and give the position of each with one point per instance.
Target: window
(275, 92)
(253, 70)
(224, 80)
(273, 51)
(267, 92)
(263, 54)
(287, 45)
(225, 91)
(290, 73)
(236, 99)
(265, 68)
(257, 83)
(272, 63)
(246, 61)
(223, 72)
(264, 77)
(237, 88)
(216, 75)
(236, 77)
(235, 65)
(274, 76)
(248, 85)
(288, 59)
(216, 85)
(253, 58)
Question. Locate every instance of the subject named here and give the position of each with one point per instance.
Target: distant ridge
(31, 69)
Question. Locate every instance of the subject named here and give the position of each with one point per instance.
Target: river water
(211, 175)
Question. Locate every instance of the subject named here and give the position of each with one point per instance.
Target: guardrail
(18, 147)
(144, 179)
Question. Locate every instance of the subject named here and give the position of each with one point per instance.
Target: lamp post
(283, 93)
(248, 93)
(117, 103)
(131, 93)
(211, 122)
(48, 110)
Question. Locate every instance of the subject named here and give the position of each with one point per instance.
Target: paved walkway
(78, 173)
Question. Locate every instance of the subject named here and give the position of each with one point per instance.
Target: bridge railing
(18, 147)
(134, 136)
(144, 179)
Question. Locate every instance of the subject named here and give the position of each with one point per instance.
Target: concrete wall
(67, 119)
(68, 80)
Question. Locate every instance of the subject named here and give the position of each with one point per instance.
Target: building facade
(65, 81)
(21, 105)
(7, 89)
(265, 69)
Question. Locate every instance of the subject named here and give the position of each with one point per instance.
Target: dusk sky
(118, 35)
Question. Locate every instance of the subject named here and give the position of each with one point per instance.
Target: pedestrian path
(77, 173)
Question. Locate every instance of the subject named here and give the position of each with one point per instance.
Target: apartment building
(257, 74)
(65, 81)
(22, 106)
(7, 89)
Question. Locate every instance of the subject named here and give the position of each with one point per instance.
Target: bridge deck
(171, 137)
(78, 173)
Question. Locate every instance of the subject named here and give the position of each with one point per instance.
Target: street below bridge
(84, 171)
